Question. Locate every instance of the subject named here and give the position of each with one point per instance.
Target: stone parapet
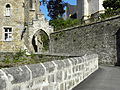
(55, 75)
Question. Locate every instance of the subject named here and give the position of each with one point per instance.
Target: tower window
(8, 10)
(7, 34)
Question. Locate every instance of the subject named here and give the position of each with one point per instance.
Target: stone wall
(55, 75)
(14, 21)
(97, 38)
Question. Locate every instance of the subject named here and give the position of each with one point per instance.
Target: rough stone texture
(51, 78)
(37, 70)
(67, 63)
(16, 21)
(59, 76)
(74, 61)
(45, 88)
(97, 38)
(2, 81)
(25, 21)
(60, 64)
(49, 67)
(40, 77)
(17, 75)
(16, 88)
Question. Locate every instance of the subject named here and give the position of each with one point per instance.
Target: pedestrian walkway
(106, 78)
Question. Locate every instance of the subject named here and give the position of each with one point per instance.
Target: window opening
(8, 10)
(8, 34)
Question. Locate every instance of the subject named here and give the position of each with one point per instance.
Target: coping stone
(17, 74)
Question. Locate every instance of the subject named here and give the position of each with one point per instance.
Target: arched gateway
(39, 32)
(40, 41)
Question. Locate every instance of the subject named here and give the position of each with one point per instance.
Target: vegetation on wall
(21, 58)
(61, 23)
(45, 40)
(109, 13)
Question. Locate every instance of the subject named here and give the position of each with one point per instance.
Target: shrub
(110, 12)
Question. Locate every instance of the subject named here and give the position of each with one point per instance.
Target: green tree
(111, 4)
(55, 9)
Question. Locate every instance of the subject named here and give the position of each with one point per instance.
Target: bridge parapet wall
(55, 75)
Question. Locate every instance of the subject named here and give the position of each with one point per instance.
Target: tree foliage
(112, 8)
(112, 4)
(55, 9)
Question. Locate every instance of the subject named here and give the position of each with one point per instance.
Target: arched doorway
(118, 47)
(40, 41)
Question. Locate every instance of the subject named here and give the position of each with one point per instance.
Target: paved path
(106, 78)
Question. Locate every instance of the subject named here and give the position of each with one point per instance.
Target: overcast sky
(45, 12)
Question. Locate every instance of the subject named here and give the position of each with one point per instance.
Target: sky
(44, 8)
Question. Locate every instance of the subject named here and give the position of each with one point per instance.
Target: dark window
(8, 34)
(31, 3)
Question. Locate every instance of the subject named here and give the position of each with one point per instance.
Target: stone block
(80, 60)
(37, 70)
(2, 81)
(69, 77)
(17, 74)
(45, 88)
(70, 84)
(62, 86)
(59, 76)
(51, 78)
(77, 68)
(60, 64)
(67, 63)
(37, 89)
(2, 84)
(49, 67)
(16, 88)
(77, 80)
(74, 69)
(39, 80)
(65, 75)
(74, 61)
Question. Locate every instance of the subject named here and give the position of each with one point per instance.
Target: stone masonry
(20, 19)
(55, 75)
(101, 38)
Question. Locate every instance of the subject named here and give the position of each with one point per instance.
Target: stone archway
(118, 47)
(40, 41)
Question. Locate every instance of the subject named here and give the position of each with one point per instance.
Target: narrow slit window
(8, 10)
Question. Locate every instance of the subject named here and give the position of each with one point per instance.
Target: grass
(20, 58)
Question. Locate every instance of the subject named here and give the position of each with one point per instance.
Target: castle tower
(11, 25)
(85, 9)
(20, 21)
(88, 7)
